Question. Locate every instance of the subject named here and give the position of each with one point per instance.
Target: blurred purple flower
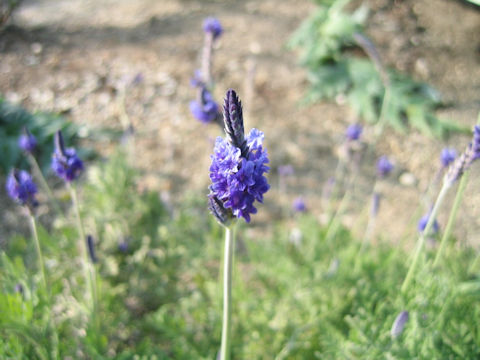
(384, 166)
(19, 288)
(285, 170)
(447, 156)
(353, 132)
(206, 110)
(299, 205)
(213, 26)
(21, 188)
(422, 223)
(27, 142)
(237, 169)
(65, 162)
(399, 324)
(465, 160)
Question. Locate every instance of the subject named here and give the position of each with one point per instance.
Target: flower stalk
(451, 218)
(89, 275)
(424, 234)
(227, 292)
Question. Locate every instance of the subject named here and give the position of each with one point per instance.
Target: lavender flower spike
(384, 166)
(399, 324)
(422, 223)
(21, 188)
(299, 205)
(447, 156)
(65, 162)
(212, 26)
(27, 141)
(237, 169)
(205, 109)
(353, 132)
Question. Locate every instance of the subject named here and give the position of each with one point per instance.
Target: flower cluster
(21, 188)
(353, 132)
(238, 167)
(464, 161)
(27, 141)
(447, 156)
(205, 109)
(422, 224)
(212, 26)
(65, 162)
(384, 166)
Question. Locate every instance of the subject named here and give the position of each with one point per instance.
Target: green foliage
(328, 51)
(14, 118)
(295, 296)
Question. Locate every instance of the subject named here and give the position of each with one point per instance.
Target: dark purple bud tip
(21, 188)
(233, 121)
(222, 215)
(399, 324)
(91, 249)
(27, 142)
(65, 162)
(212, 26)
(353, 132)
(447, 156)
(299, 205)
(422, 224)
(59, 144)
(384, 166)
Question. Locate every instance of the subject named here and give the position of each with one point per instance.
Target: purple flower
(399, 324)
(237, 169)
(465, 160)
(285, 170)
(447, 156)
(27, 141)
(65, 162)
(212, 26)
(21, 188)
(353, 132)
(384, 166)
(422, 223)
(299, 205)
(91, 249)
(206, 109)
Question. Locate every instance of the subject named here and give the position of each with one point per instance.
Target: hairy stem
(227, 292)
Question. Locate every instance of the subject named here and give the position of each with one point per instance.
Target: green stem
(227, 292)
(43, 181)
(426, 231)
(89, 279)
(452, 217)
(33, 225)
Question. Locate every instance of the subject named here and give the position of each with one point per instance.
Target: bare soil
(78, 56)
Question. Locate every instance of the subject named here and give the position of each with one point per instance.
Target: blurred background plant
(343, 64)
(7, 7)
(43, 125)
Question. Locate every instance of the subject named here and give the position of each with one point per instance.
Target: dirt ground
(77, 57)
